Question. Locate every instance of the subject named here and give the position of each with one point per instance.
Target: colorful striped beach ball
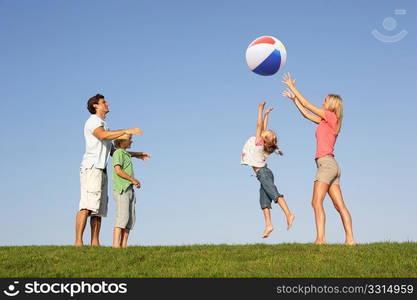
(266, 55)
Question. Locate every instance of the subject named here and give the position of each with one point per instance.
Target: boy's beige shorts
(328, 170)
(94, 197)
(125, 208)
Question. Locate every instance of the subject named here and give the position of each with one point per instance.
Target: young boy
(124, 195)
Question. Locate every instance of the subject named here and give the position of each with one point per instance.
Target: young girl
(329, 117)
(255, 153)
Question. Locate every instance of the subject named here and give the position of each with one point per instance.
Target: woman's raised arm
(300, 107)
(287, 80)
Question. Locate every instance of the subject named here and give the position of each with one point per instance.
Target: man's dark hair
(93, 100)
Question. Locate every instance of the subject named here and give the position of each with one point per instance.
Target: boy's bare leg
(125, 236)
(95, 223)
(117, 233)
(268, 224)
(290, 217)
(80, 221)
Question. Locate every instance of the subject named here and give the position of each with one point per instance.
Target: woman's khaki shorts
(328, 171)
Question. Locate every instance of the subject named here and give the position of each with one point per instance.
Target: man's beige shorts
(328, 170)
(94, 191)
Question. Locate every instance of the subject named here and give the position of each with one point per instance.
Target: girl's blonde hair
(335, 105)
(270, 142)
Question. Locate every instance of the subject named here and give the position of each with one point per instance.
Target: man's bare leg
(95, 223)
(80, 221)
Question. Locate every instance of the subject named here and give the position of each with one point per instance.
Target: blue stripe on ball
(270, 65)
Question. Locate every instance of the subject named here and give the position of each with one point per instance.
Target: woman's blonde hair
(270, 142)
(335, 105)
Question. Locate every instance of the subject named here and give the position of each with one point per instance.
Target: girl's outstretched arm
(300, 107)
(286, 78)
(260, 121)
(266, 115)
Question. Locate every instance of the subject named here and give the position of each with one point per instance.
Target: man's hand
(262, 104)
(135, 131)
(268, 110)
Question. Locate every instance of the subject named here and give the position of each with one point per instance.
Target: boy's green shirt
(124, 160)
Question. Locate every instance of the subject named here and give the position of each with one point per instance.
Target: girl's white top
(253, 153)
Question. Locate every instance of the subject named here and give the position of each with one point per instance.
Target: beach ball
(266, 55)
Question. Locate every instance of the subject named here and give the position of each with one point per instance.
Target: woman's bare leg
(319, 192)
(290, 217)
(268, 224)
(335, 194)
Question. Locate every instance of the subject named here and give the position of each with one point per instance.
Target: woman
(329, 117)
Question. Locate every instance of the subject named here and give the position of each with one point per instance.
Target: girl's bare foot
(319, 242)
(268, 230)
(290, 219)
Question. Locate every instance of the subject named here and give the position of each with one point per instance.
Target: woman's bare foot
(319, 242)
(268, 230)
(290, 219)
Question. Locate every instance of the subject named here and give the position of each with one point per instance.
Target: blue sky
(177, 70)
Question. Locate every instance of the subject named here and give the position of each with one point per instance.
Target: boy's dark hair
(93, 100)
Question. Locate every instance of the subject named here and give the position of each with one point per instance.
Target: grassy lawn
(283, 260)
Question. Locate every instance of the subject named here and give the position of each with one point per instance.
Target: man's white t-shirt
(97, 152)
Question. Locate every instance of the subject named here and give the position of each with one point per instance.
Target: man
(93, 174)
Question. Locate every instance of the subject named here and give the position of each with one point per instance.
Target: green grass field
(283, 260)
